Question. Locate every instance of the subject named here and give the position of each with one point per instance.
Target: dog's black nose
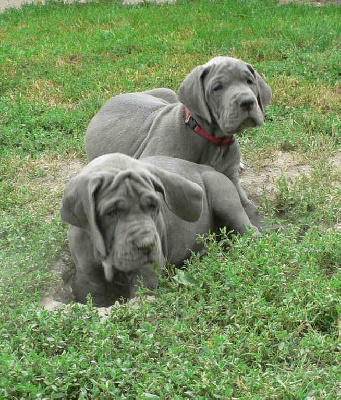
(247, 104)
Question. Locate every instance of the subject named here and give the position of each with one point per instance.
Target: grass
(255, 318)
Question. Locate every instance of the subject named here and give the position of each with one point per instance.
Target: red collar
(192, 123)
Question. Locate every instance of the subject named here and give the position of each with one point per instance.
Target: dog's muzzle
(247, 104)
(132, 250)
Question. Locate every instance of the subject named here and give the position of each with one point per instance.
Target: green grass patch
(254, 318)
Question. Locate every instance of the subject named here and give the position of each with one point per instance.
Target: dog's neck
(193, 124)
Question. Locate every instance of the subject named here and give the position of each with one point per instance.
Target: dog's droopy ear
(264, 92)
(181, 196)
(192, 93)
(78, 207)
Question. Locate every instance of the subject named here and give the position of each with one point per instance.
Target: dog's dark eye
(217, 86)
(112, 212)
(115, 211)
(150, 204)
(152, 207)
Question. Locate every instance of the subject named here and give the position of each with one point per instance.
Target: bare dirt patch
(256, 180)
(59, 172)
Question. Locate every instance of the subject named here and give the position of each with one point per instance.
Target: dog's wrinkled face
(128, 216)
(120, 203)
(232, 92)
(226, 92)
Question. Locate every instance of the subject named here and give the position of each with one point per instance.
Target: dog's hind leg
(226, 204)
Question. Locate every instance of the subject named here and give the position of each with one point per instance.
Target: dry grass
(291, 90)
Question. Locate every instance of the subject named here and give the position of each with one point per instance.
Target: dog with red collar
(215, 102)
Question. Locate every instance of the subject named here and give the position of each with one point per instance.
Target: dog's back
(187, 169)
(123, 123)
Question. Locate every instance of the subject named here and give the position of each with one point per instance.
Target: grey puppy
(128, 217)
(215, 101)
